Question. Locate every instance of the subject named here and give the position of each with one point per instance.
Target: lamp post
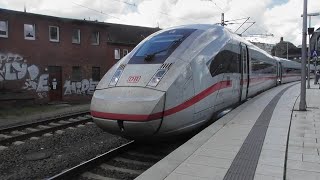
(302, 105)
(317, 47)
(287, 51)
(309, 52)
(316, 79)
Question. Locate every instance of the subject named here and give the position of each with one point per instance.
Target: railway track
(19, 133)
(125, 162)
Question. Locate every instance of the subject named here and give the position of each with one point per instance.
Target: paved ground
(19, 115)
(264, 138)
(304, 141)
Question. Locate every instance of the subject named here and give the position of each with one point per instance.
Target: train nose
(129, 112)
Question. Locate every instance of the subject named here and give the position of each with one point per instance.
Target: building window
(117, 53)
(95, 38)
(76, 74)
(125, 52)
(3, 28)
(29, 31)
(76, 36)
(54, 33)
(96, 73)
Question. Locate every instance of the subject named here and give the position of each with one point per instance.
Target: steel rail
(84, 166)
(44, 121)
(40, 132)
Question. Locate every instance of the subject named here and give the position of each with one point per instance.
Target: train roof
(288, 63)
(227, 32)
(229, 36)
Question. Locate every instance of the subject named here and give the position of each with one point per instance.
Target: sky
(272, 18)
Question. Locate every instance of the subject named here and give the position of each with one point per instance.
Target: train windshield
(158, 48)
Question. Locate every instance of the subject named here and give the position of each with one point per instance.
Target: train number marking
(133, 79)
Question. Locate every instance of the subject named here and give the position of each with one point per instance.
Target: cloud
(271, 16)
(285, 20)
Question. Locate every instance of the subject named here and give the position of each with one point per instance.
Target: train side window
(4, 29)
(292, 70)
(259, 66)
(224, 62)
(29, 32)
(244, 54)
(288, 70)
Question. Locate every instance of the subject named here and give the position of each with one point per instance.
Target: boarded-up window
(96, 73)
(76, 73)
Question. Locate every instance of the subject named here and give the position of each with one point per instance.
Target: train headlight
(157, 77)
(116, 76)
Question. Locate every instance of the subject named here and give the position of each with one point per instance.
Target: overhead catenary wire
(245, 13)
(247, 18)
(183, 19)
(260, 35)
(95, 10)
(248, 28)
(130, 4)
(239, 23)
(236, 19)
(222, 11)
(161, 12)
(242, 24)
(216, 5)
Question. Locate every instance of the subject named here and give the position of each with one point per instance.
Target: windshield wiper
(149, 57)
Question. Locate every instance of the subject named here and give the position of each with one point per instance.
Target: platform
(264, 138)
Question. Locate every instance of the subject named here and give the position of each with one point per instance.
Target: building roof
(125, 34)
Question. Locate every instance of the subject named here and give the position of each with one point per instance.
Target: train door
(55, 80)
(244, 67)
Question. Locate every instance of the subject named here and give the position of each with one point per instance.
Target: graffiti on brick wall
(82, 87)
(14, 67)
(42, 95)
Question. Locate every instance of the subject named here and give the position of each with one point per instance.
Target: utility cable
(244, 13)
(95, 10)
(242, 24)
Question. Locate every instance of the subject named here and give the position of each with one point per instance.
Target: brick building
(45, 58)
(286, 48)
(265, 46)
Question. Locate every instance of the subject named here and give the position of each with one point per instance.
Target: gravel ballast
(38, 159)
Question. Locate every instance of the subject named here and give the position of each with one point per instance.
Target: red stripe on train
(258, 79)
(128, 117)
(190, 102)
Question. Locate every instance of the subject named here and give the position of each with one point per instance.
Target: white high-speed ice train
(177, 78)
